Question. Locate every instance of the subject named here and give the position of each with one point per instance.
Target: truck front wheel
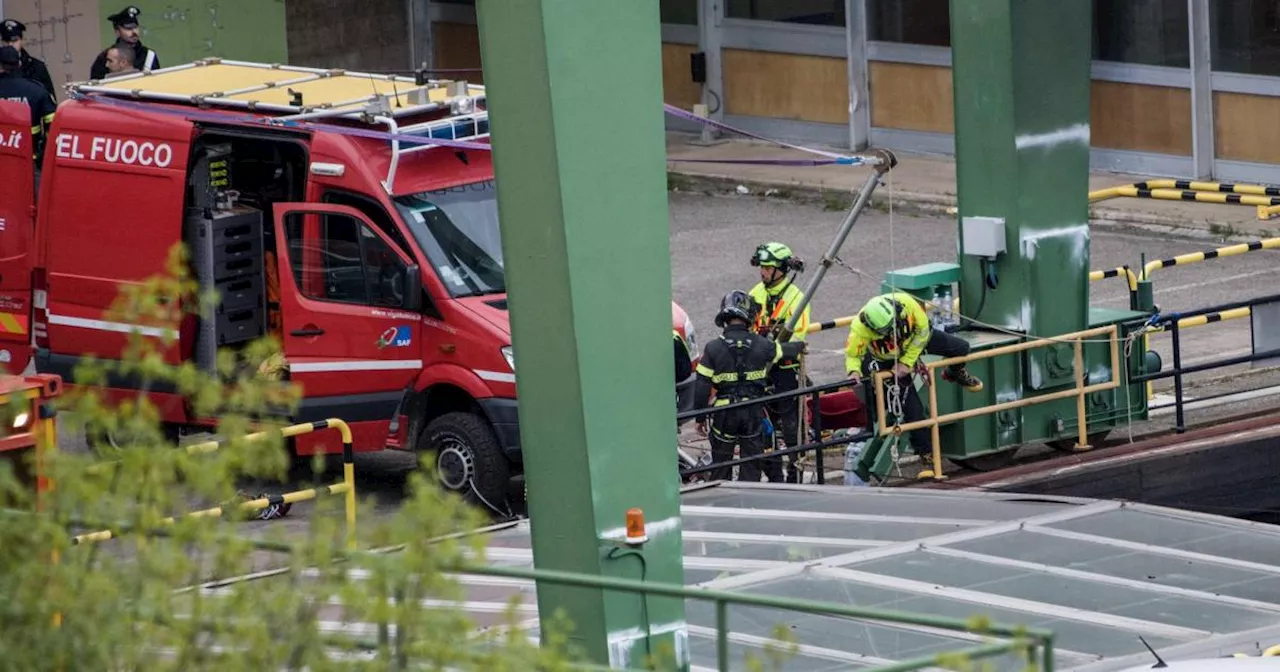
(468, 458)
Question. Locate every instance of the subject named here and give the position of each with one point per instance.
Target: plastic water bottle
(946, 306)
(936, 316)
(851, 454)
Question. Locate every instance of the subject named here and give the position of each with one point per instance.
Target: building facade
(1187, 88)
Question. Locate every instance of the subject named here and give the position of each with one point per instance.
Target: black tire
(1069, 445)
(468, 458)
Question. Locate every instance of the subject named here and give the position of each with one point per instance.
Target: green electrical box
(920, 281)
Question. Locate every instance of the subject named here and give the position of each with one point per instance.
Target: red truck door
(350, 302)
(17, 228)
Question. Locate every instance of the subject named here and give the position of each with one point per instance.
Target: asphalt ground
(712, 238)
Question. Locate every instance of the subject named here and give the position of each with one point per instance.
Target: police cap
(9, 56)
(11, 30)
(125, 18)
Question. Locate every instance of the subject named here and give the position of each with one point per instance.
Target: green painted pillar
(1021, 74)
(575, 98)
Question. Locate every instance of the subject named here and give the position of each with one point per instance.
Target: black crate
(250, 247)
(240, 293)
(236, 326)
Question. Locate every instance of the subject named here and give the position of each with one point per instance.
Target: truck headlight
(21, 420)
(511, 358)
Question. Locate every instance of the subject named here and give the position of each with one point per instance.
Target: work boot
(926, 467)
(963, 378)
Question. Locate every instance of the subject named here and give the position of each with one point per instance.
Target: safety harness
(740, 384)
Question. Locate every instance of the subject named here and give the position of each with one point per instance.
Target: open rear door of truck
(17, 229)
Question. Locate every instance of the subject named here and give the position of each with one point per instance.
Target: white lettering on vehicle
(13, 140)
(115, 150)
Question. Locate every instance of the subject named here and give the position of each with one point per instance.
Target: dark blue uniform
(14, 87)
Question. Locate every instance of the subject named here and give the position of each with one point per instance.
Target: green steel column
(575, 97)
(1021, 78)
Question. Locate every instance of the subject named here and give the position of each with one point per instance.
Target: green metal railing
(1037, 643)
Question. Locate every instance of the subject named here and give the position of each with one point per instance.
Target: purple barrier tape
(270, 122)
(766, 162)
(689, 116)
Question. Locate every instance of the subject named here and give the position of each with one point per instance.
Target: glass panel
(458, 229)
(820, 528)
(1076, 593)
(867, 639)
(873, 502)
(1224, 540)
(815, 12)
(1127, 564)
(509, 539)
(702, 653)
(925, 22)
(1245, 36)
(694, 576)
(783, 552)
(682, 12)
(1071, 635)
(1148, 32)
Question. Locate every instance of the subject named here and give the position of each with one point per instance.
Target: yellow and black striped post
(346, 487)
(1131, 280)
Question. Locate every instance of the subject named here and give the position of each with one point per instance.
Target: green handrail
(722, 599)
(1032, 638)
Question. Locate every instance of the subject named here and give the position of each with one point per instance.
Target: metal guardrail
(1079, 391)
(1174, 323)
(1037, 642)
(347, 487)
(1180, 190)
(816, 447)
(1205, 255)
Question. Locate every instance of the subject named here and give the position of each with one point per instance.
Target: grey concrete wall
(353, 34)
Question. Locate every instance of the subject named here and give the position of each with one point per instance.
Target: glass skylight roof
(1099, 574)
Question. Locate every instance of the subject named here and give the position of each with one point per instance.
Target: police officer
(15, 87)
(126, 25)
(777, 298)
(34, 69)
(736, 366)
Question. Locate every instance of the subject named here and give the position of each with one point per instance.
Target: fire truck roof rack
(290, 92)
(474, 126)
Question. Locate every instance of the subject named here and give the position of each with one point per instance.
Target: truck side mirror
(412, 289)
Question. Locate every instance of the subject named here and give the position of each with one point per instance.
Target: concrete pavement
(926, 184)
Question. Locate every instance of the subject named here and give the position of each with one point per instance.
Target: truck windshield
(458, 229)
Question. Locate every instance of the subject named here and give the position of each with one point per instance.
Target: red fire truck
(351, 215)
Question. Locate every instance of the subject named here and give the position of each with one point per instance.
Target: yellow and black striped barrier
(1210, 318)
(815, 327)
(1185, 185)
(1185, 195)
(1196, 257)
(346, 487)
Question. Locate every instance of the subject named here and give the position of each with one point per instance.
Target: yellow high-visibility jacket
(915, 336)
(777, 305)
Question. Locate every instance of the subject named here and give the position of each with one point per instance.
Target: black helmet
(736, 304)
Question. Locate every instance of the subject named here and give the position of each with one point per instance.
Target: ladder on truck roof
(295, 93)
